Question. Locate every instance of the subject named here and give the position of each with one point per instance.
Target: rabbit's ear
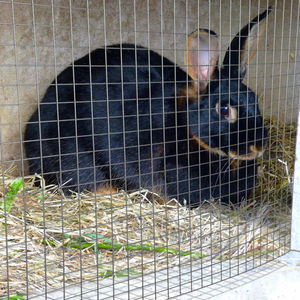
(201, 56)
(244, 46)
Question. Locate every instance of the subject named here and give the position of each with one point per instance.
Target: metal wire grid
(161, 278)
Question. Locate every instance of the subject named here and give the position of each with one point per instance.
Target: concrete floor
(279, 279)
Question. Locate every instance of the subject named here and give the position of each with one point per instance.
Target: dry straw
(49, 239)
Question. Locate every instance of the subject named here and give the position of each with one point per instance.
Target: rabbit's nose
(257, 150)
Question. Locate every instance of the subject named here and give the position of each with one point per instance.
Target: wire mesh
(137, 162)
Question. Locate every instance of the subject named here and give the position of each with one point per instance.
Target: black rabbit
(126, 117)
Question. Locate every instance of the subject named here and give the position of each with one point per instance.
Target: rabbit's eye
(228, 112)
(224, 111)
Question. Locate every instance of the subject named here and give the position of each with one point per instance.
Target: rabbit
(126, 117)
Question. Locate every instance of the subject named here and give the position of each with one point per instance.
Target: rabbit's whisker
(223, 171)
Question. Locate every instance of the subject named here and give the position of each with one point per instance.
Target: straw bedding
(52, 239)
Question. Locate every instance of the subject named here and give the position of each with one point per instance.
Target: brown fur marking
(253, 46)
(256, 152)
(106, 190)
(189, 93)
(235, 164)
(207, 147)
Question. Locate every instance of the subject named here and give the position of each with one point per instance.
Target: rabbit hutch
(147, 147)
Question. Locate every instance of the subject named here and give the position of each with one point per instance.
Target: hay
(52, 238)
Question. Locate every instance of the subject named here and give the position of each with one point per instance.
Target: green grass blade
(144, 247)
(99, 236)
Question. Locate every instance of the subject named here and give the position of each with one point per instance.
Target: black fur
(123, 126)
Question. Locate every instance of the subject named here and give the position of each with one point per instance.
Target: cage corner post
(293, 257)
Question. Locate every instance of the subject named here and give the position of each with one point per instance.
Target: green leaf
(9, 200)
(18, 297)
(66, 236)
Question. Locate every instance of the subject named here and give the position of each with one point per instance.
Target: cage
(147, 147)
